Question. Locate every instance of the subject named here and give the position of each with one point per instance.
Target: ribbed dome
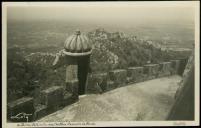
(77, 45)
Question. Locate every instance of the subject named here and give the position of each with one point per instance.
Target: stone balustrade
(56, 97)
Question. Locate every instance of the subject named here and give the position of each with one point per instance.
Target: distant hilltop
(111, 50)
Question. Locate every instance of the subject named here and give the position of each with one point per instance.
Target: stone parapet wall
(102, 82)
(182, 66)
(165, 69)
(56, 97)
(151, 71)
(52, 97)
(134, 74)
(118, 76)
(97, 83)
(175, 66)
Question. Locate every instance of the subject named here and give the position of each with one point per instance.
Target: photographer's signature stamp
(21, 115)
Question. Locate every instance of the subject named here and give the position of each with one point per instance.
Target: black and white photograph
(88, 64)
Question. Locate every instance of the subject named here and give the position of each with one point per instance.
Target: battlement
(57, 97)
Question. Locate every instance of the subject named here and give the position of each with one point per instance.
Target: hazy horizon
(148, 22)
(122, 15)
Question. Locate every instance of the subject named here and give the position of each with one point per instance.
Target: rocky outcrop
(183, 108)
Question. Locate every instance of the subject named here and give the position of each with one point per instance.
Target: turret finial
(77, 32)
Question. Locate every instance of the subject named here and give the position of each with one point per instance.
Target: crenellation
(98, 82)
(164, 69)
(72, 87)
(68, 98)
(151, 71)
(175, 66)
(182, 66)
(52, 97)
(56, 97)
(134, 74)
(111, 85)
(40, 111)
(118, 77)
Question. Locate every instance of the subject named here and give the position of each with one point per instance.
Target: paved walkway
(149, 100)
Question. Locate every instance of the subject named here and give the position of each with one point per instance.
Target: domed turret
(77, 45)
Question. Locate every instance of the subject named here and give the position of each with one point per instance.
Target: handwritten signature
(21, 116)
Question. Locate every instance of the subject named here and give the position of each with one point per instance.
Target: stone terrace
(149, 100)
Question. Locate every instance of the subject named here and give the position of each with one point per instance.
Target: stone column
(72, 79)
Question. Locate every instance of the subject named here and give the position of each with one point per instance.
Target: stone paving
(149, 100)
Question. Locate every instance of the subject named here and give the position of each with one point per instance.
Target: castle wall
(56, 97)
(183, 108)
(134, 74)
(151, 71)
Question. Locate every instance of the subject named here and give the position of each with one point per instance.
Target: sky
(118, 13)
